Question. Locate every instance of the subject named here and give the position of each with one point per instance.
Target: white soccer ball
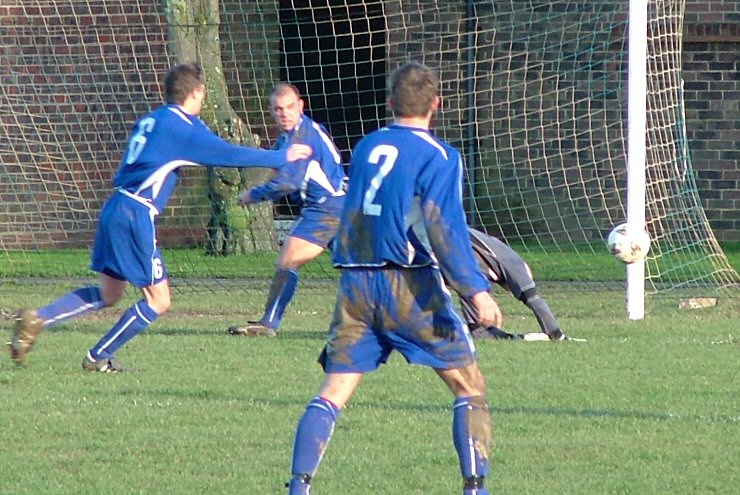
(628, 246)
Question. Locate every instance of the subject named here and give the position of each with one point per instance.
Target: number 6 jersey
(169, 138)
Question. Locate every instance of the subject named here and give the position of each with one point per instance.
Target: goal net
(534, 96)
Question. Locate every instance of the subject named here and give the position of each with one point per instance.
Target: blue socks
(471, 433)
(87, 299)
(132, 322)
(311, 439)
(71, 305)
(281, 292)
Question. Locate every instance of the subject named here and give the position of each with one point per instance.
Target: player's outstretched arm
(206, 148)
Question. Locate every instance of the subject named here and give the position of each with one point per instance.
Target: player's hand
(489, 313)
(245, 197)
(298, 152)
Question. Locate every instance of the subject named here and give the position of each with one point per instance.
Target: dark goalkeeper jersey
(404, 208)
(167, 139)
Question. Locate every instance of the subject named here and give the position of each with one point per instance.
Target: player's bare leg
(471, 425)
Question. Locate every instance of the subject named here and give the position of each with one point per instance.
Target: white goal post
(636, 127)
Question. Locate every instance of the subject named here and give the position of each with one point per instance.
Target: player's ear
(391, 103)
(437, 103)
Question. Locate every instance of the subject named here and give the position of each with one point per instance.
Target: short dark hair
(413, 88)
(180, 81)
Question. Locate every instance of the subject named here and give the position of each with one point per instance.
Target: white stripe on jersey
(429, 139)
(316, 173)
(178, 111)
(415, 222)
(328, 142)
(139, 199)
(156, 180)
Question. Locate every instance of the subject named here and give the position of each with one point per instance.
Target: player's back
(169, 138)
(491, 246)
(157, 146)
(391, 171)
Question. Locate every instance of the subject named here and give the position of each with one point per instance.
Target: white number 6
(138, 140)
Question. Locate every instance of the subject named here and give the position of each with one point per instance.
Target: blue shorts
(405, 309)
(315, 226)
(125, 245)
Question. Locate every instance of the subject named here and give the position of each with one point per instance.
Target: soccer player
(319, 181)
(125, 248)
(402, 223)
(502, 265)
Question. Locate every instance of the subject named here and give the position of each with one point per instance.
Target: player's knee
(467, 382)
(477, 385)
(293, 262)
(285, 261)
(161, 304)
(110, 300)
(110, 296)
(528, 294)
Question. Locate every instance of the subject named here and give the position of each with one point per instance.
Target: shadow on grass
(440, 408)
(219, 328)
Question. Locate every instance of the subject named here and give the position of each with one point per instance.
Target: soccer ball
(626, 246)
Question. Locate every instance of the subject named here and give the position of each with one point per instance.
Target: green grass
(590, 264)
(643, 407)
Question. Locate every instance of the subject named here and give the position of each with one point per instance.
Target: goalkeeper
(125, 249)
(503, 266)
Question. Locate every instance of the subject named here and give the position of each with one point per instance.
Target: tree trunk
(194, 37)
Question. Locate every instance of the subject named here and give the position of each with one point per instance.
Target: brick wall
(711, 63)
(68, 69)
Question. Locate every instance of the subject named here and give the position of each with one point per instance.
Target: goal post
(636, 155)
(534, 95)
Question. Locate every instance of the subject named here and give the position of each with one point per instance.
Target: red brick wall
(711, 62)
(75, 75)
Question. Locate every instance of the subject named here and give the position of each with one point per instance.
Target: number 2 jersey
(404, 208)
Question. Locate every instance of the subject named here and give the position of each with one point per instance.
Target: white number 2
(138, 141)
(390, 153)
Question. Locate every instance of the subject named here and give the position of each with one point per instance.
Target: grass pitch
(643, 407)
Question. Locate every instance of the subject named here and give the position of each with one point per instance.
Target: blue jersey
(319, 179)
(404, 208)
(167, 139)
